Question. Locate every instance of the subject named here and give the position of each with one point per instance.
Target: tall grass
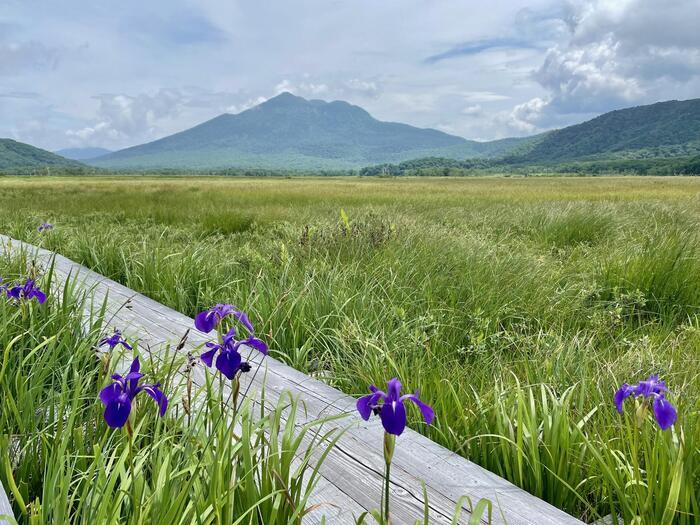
(517, 306)
(61, 464)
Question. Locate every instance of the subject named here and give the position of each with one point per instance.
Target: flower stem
(236, 391)
(389, 444)
(132, 467)
(387, 476)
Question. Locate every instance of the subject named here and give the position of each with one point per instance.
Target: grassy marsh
(516, 305)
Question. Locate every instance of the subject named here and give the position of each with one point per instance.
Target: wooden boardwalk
(5, 508)
(352, 473)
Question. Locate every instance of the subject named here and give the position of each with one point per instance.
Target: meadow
(516, 305)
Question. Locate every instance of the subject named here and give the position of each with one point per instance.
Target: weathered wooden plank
(5, 508)
(351, 474)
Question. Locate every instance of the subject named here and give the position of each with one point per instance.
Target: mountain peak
(284, 99)
(288, 131)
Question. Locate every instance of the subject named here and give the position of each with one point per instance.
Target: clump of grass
(662, 269)
(571, 226)
(226, 224)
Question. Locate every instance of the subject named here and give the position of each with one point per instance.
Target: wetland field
(517, 306)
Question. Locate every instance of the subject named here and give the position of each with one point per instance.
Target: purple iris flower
(114, 340)
(209, 319)
(256, 343)
(27, 291)
(392, 410)
(654, 391)
(229, 360)
(118, 396)
(47, 226)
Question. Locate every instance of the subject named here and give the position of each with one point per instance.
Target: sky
(115, 74)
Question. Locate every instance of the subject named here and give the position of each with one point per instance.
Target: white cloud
(302, 88)
(333, 87)
(366, 88)
(473, 110)
(588, 78)
(251, 102)
(620, 53)
(526, 117)
(368, 53)
(121, 117)
(483, 96)
(104, 77)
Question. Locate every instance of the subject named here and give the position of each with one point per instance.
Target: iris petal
(110, 393)
(664, 412)
(366, 403)
(243, 318)
(394, 389)
(622, 393)
(228, 362)
(117, 411)
(426, 410)
(205, 321)
(393, 416)
(650, 387)
(256, 343)
(40, 296)
(208, 357)
(229, 336)
(134, 375)
(158, 396)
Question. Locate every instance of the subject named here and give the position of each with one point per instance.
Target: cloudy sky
(115, 74)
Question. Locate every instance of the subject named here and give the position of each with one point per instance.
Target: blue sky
(115, 74)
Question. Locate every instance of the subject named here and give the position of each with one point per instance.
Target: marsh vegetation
(518, 306)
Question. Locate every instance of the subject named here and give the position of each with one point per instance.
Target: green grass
(516, 306)
(60, 463)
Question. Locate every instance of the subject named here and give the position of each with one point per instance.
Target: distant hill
(664, 129)
(661, 138)
(17, 156)
(290, 132)
(82, 153)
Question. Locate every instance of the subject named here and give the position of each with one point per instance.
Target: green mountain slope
(17, 156)
(665, 129)
(289, 132)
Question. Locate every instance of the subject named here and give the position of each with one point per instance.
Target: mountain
(19, 156)
(82, 153)
(290, 132)
(665, 129)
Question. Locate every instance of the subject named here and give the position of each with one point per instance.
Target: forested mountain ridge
(290, 132)
(664, 129)
(20, 156)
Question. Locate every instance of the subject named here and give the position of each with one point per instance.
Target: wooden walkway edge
(5, 508)
(351, 475)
